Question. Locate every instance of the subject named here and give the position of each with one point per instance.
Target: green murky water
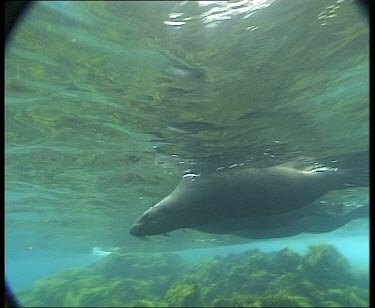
(109, 103)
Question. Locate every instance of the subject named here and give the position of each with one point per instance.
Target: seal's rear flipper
(360, 212)
(357, 177)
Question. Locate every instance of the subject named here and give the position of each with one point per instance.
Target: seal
(245, 193)
(287, 224)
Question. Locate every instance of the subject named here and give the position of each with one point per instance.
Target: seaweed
(184, 295)
(320, 278)
(324, 264)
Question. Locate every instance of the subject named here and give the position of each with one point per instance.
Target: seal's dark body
(252, 192)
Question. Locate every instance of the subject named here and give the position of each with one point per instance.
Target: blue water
(23, 271)
(356, 249)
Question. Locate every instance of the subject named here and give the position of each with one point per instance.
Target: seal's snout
(135, 230)
(152, 222)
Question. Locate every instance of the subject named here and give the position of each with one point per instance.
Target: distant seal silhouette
(214, 198)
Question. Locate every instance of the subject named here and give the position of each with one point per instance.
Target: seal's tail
(357, 177)
(360, 212)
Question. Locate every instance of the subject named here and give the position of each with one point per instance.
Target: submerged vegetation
(320, 278)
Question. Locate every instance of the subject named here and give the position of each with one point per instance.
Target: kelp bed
(320, 278)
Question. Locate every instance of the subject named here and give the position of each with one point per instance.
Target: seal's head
(152, 222)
